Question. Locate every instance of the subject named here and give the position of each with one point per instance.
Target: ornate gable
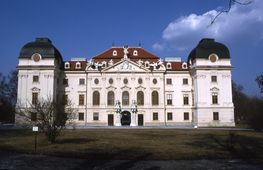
(126, 65)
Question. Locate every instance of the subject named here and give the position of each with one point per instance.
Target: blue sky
(164, 27)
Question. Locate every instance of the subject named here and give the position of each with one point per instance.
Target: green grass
(158, 144)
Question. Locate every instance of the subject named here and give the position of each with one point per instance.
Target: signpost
(35, 130)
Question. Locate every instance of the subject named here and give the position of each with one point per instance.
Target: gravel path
(9, 160)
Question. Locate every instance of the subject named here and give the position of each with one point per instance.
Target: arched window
(96, 98)
(184, 65)
(67, 66)
(110, 98)
(135, 53)
(78, 65)
(125, 98)
(140, 98)
(169, 65)
(155, 98)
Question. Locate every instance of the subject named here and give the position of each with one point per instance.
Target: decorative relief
(202, 76)
(226, 76)
(23, 76)
(35, 89)
(36, 57)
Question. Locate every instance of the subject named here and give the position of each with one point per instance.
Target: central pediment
(126, 65)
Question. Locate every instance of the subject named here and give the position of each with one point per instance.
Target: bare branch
(231, 3)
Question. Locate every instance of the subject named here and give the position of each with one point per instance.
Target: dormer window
(169, 66)
(78, 65)
(67, 66)
(114, 53)
(135, 53)
(184, 65)
(147, 64)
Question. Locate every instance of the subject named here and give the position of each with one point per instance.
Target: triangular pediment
(140, 88)
(111, 88)
(125, 65)
(214, 89)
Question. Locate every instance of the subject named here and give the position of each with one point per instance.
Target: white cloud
(158, 46)
(242, 24)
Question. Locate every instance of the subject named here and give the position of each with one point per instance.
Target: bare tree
(230, 4)
(8, 89)
(259, 80)
(49, 116)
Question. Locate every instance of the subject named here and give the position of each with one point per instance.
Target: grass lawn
(143, 144)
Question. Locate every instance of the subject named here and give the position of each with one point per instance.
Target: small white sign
(35, 129)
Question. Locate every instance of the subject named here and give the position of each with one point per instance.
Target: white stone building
(130, 86)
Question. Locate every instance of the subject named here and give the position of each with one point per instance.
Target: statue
(160, 62)
(111, 62)
(125, 51)
(140, 62)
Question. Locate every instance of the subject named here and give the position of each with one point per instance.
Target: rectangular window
(34, 98)
(65, 99)
(215, 116)
(81, 99)
(95, 116)
(155, 115)
(169, 99)
(81, 81)
(169, 116)
(214, 99)
(65, 82)
(186, 115)
(185, 81)
(35, 79)
(168, 81)
(214, 79)
(186, 100)
(81, 116)
(33, 116)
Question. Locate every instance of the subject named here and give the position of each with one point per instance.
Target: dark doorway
(110, 120)
(140, 119)
(125, 118)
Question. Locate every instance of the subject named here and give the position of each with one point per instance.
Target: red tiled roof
(72, 66)
(142, 54)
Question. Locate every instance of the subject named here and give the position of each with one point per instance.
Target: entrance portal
(110, 120)
(140, 119)
(125, 118)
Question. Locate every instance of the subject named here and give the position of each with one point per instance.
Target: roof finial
(113, 44)
(140, 44)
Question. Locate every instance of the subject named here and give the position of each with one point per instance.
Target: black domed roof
(208, 46)
(43, 46)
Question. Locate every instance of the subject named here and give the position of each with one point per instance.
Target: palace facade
(129, 86)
